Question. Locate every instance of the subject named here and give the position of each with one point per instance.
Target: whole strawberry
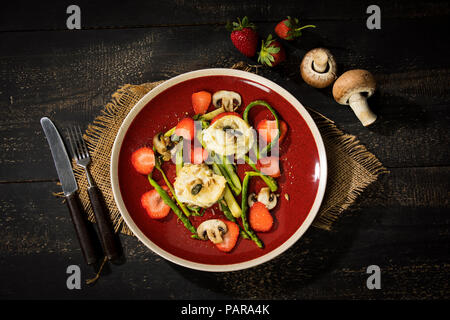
(272, 52)
(244, 36)
(289, 29)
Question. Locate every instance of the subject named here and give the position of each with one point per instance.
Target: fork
(81, 155)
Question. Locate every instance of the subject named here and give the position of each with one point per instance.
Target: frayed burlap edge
(351, 167)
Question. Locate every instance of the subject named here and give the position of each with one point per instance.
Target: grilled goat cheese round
(229, 135)
(197, 185)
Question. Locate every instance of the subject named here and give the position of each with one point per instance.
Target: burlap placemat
(351, 167)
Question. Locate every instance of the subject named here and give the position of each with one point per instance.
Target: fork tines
(77, 144)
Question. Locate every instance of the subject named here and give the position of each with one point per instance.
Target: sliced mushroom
(229, 100)
(212, 229)
(268, 198)
(162, 145)
(264, 196)
(318, 68)
(353, 88)
(252, 198)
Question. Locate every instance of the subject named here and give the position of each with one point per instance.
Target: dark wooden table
(401, 223)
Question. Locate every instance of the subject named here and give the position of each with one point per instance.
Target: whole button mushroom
(318, 68)
(353, 88)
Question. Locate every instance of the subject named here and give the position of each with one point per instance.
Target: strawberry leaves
(240, 24)
(272, 53)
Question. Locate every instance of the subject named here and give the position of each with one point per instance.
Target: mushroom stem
(360, 107)
(318, 68)
(320, 61)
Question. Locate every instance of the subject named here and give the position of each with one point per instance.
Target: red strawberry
(186, 129)
(223, 114)
(260, 218)
(201, 101)
(289, 29)
(270, 166)
(272, 52)
(155, 206)
(268, 129)
(230, 238)
(198, 155)
(143, 160)
(244, 36)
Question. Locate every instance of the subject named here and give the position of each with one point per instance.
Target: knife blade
(70, 187)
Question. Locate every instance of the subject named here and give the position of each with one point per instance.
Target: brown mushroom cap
(313, 77)
(352, 82)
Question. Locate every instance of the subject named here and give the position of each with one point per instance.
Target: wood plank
(402, 225)
(408, 138)
(105, 59)
(28, 15)
(69, 76)
(427, 187)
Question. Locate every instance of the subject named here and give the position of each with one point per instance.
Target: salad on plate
(207, 150)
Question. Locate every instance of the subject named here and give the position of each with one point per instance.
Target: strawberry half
(270, 166)
(260, 218)
(198, 155)
(244, 36)
(186, 129)
(289, 28)
(155, 206)
(143, 160)
(272, 52)
(230, 238)
(267, 130)
(201, 101)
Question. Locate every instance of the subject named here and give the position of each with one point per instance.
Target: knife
(70, 187)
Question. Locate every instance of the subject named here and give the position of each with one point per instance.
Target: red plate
(303, 166)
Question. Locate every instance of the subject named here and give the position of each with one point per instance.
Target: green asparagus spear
(169, 185)
(179, 157)
(227, 213)
(168, 200)
(210, 115)
(244, 206)
(274, 113)
(231, 202)
(170, 132)
(224, 172)
(271, 183)
(232, 175)
(228, 195)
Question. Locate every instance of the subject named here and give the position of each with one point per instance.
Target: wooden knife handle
(107, 236)
(80, 222)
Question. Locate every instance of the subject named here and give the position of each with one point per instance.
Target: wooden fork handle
(81, 224)
(107, 236)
